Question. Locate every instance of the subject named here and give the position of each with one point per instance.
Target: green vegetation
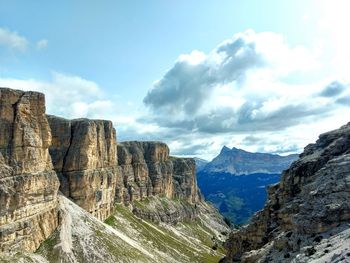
(48, 248)
(190, 241)
(124, 237)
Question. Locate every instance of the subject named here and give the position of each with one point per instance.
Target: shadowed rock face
(311, 200)
(28, 184)
(84, 156)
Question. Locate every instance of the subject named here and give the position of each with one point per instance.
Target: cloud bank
(244, 88)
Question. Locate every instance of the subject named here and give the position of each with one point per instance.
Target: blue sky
(161, 70)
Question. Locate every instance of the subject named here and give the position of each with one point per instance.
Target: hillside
(123, 238)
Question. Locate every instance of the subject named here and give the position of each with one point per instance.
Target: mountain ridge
(238, 197)
(240, 162)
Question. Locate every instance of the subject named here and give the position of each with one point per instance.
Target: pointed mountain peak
(225, 149)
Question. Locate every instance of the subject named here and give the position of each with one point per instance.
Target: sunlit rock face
(40, 154)
(84, 155)
(307, 213)
(28, 183)
(148, 170)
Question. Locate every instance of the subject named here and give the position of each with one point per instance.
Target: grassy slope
(123, 238)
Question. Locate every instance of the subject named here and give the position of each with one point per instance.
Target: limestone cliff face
(84, 155)
(39, 154)
(28, 184)
(305, 211)
(148, 170)
(185, 180)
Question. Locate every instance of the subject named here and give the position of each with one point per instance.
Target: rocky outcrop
(305, 211)
(148, 170)
(28, 184)
(84, 155)
(39, 154)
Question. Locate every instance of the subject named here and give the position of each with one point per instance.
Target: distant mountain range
(235, 181)
(200, 163)
(239, 162)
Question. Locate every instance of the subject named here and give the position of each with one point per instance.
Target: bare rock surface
(307, 214)
(40, 154)
(148, 170)
(84, 155)
(28, 184)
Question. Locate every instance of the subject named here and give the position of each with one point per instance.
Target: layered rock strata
(148, 170)
(28, 183)
(39, 154)
(307, 208)
(84, 155)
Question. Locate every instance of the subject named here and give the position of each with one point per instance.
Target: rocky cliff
(40, 154)
(84, 155)
(147, 170)
(28, 184)
(95, 173)
(306, 217)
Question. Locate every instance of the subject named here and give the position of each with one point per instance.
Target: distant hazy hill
(235, 181)
(240, 162)
(200, 163)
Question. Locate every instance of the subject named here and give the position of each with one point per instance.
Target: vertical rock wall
(148, 170)
(84, 156)
(28, 184)
(39, 154)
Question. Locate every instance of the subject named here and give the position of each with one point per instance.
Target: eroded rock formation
(28, 184)
(148, 170)
(305, 211)
(84, 155)
(39, 154)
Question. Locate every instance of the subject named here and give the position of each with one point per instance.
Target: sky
(264, 76)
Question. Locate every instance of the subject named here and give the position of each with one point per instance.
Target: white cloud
(41, 44)
(13, 40)
(251, 84)
(66, 95)
(237, 86)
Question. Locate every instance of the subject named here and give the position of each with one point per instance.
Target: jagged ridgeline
(70, 193)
